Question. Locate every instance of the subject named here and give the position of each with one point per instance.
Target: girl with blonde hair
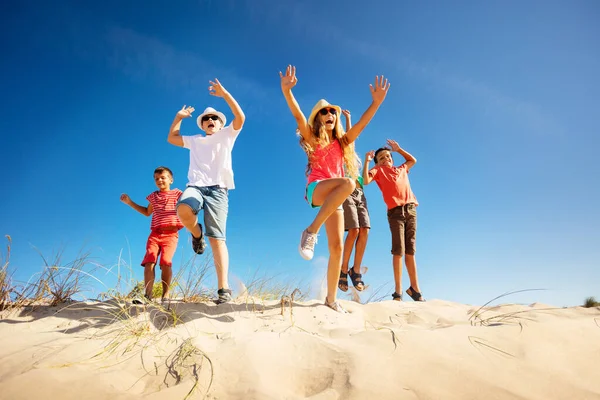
(328, 148)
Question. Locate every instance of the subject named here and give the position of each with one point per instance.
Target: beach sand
(249, 350)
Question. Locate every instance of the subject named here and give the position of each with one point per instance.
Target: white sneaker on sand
(335, 306)
(307, 245)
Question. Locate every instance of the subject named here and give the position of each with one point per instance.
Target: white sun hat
(211, 111)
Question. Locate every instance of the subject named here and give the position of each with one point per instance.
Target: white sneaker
(307, 245)
(335, 306)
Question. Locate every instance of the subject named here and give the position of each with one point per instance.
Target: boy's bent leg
(189, 205)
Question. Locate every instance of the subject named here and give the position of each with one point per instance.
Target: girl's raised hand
(289, 80)
(380, 90)
(346, 113)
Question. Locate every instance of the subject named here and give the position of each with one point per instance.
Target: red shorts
(163, 244)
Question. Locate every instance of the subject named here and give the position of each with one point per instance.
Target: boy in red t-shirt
(165, 226)
(402, 211)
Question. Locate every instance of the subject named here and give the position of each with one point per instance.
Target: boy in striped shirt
(164, 228)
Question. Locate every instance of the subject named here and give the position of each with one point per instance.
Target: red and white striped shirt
(164, 212)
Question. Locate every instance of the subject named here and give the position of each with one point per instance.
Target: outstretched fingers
(382, 83)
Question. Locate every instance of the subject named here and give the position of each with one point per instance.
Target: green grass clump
(591, 302)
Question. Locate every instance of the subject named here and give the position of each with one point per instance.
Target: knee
(184, 212)
(363, 233)
(216, 244)
(349, 185)
(335, 247)
(353, 233)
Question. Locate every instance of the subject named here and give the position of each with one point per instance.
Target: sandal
(343, 282)
(397, 296)
(356, 280)
(416, 296)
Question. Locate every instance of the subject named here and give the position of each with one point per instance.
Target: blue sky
(497, 101)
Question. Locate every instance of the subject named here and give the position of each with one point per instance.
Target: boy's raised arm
(175, 137)
(378, 93)
(410, 160)
(216, 89)
(348, 119)
(146, 211)
(288, 81)
(365, 173)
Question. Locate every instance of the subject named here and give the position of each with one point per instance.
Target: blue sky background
(498, 102)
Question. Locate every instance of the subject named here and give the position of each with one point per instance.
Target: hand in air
(393, 145)
(216, 89)
(289, 80)
(185, 112)
(346, 113)
(380, 90)
(369, 156)
(125, 198)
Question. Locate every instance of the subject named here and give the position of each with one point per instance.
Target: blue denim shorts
(215, 203)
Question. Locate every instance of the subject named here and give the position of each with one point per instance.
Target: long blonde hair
(321, 138)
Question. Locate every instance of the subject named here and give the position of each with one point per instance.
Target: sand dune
(385, 350)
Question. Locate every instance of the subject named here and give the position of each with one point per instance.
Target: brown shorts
(356, 214)
(403, 225)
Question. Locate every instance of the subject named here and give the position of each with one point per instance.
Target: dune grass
(590, 302)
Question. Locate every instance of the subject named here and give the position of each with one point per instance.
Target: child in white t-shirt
(210, 177)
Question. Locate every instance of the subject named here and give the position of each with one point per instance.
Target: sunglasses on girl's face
(324, 111)
(207, 117)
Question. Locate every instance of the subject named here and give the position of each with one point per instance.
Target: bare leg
(335, 235)
(221, 259)
(361, 245)
(149, 279)
(411, 268)
(329, 195)
(166, 275)
(188, 219)
(348, 245)
(397, 265)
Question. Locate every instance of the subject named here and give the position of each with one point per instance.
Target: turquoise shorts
(310, 189)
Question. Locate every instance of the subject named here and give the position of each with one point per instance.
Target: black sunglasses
(324, 111)
(207, 117)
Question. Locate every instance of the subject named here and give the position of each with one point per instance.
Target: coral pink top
(326, 162)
